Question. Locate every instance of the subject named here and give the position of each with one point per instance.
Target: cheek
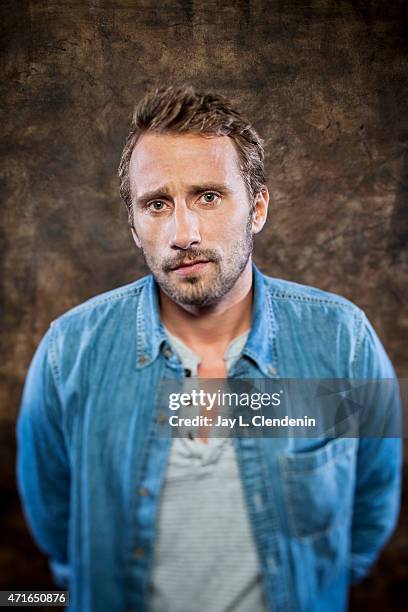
(228, 226)
(149, 233)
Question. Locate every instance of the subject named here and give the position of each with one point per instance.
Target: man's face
(192, 214)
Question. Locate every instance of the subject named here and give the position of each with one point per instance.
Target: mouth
(191, 267)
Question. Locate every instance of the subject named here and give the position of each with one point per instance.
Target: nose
(185, 231)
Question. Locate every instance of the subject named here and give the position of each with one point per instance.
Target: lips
(189, 264)
(191, 268)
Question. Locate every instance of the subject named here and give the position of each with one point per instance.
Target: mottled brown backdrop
(326, 84)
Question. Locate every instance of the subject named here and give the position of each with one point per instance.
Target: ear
(135, 236)
(260, 210)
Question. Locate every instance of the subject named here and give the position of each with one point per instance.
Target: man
(131, 519)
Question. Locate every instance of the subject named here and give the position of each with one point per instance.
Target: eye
(210, 197)
(156, 206)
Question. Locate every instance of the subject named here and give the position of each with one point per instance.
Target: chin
(193, 292)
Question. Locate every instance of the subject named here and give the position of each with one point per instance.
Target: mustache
(189, 256)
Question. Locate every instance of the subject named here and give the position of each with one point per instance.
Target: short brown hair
(182, 109)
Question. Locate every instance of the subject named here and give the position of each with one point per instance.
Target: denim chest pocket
(318, 486)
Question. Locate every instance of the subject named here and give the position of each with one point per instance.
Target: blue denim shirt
(88, 438)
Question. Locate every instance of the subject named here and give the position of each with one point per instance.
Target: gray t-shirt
(205, 558)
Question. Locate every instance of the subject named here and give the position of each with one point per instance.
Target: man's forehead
(188, 157)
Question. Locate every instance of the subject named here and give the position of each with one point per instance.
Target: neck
(215, 325)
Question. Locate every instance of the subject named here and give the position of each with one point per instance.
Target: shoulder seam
(52, 357)
(359, 341)
(309, 299)
(96, 301)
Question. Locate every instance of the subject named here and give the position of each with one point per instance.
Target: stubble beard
(211, 287)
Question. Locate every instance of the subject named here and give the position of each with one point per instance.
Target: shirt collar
(150, 332)
(260, 346)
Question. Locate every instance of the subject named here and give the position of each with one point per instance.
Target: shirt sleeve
(379, 460)
(43, 477)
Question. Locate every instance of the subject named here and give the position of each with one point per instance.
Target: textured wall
(326, 84)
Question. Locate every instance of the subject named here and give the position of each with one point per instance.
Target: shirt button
(167, 352)
(272, 370)
(272, 565)
(142, 359)
(161, 417)
(144, 492)
(139, 552)
(257, 499)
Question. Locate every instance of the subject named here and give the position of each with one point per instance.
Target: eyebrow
(164, 192)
